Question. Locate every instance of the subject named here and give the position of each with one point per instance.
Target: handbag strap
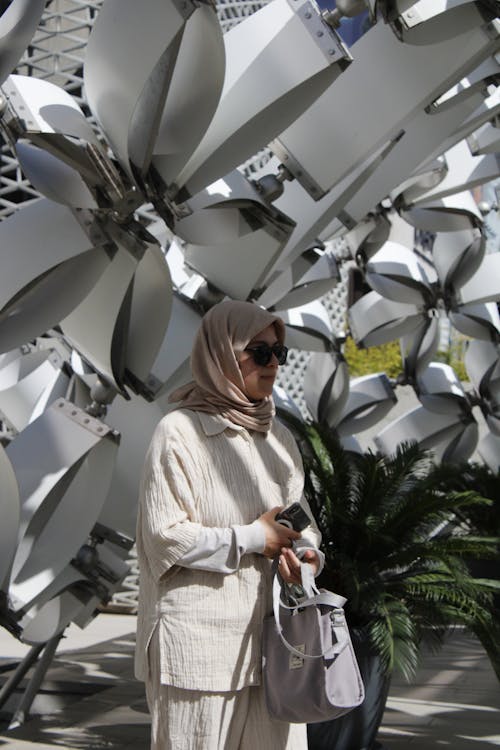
(327, 598)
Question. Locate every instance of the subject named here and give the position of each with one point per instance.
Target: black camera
(294, 517)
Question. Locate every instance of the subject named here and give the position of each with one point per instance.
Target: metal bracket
(95, 426)
(328, 41)
(296, 169)
(91, 225)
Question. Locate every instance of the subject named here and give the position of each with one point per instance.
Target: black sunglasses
(262, 353)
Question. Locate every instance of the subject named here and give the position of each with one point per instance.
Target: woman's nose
(273, 362)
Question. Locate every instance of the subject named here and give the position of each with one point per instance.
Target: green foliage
(396, 547)
(384, 358)
(483, 518)
(387, 358)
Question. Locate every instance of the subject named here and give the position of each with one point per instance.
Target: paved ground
(90, 699)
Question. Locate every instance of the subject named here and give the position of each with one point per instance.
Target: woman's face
(259, 379)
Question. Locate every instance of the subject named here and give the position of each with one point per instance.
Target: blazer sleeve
(165, 528)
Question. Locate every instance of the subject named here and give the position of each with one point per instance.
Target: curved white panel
(53, 178)
(457, 256)
(47, 108)
(427, 22)
(127, 42)
(192, 98)
(10, 513)
(394, 272)
(18, 23)
(483, 286)
(150, 310)
(429, 429)
(419, 347)
(308, 327)
(260, 99)
(29, 384)
(63, 463)
(371, 397)
(440, 390)
(326, 387)
(478, 321)
(375, 320)
(37, 289)
(482, 362)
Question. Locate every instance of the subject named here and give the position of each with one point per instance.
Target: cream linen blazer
(202, 470)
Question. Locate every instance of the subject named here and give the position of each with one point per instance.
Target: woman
(218, 470)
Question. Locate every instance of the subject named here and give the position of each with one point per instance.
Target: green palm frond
(393, 635)
(398, 537)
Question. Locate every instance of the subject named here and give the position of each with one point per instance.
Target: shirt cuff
(302, 545)
(251, 537)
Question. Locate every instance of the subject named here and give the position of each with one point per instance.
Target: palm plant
(484, 518)
(396, 548)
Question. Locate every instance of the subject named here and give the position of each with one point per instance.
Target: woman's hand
(278, 536)
(289, 564)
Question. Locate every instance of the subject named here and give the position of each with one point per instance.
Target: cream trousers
(196, 720)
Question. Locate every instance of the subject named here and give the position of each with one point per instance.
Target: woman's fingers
(291, 557)
(312, 558)
(277, 535)
(289, 566)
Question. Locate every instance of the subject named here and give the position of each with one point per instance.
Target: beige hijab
(217, 386)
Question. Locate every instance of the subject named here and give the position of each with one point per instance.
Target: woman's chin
(259, 394)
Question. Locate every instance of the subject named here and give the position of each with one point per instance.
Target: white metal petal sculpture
(372, 150)
(431, 21)
(74, 454)
(18, 23)
(482, 362)
(128, 92)
(483, 285)
(10, 509)
(29, 384)
(56, 145)
(326, 386)
(42, 287)
(233, 235)
(255, 107)
(380, 88)
(395, 272)
(439, 389)
(312, 275)
(452, 437)
(309, 327)
(374, 320)
(107, 327)
(371, 397)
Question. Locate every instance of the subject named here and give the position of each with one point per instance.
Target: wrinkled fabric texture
(218, 460)
(201, 470)
(217, 386)
(196, 720)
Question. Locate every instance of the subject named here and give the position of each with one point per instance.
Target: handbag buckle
(337, 617)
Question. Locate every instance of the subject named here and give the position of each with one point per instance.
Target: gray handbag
(309, 668)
